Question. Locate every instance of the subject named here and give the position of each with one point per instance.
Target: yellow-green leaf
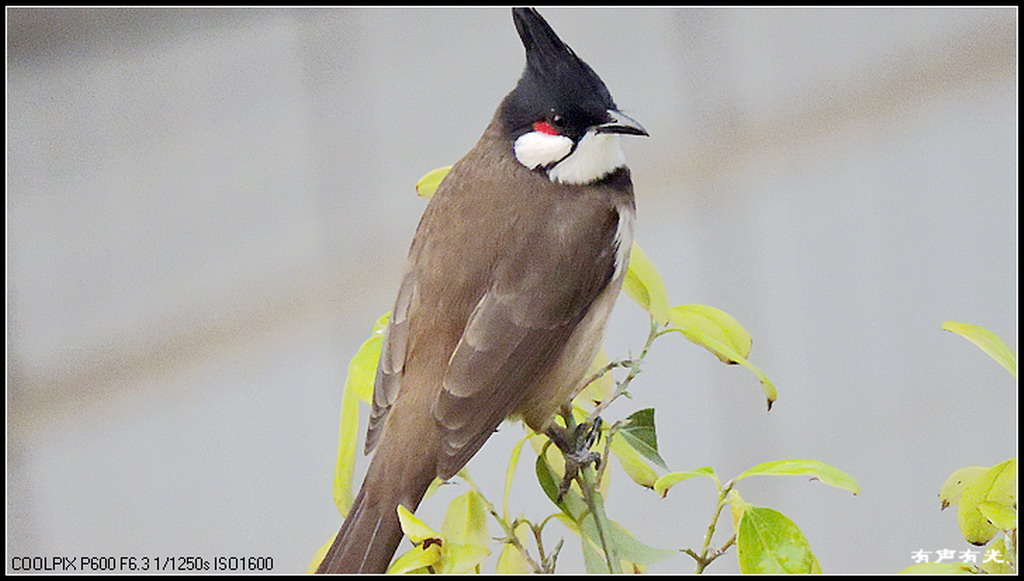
(946, 568)
(461, 558)
(640, 433)
(413, 527)
(713, 335)
(997, 485)
(633, 462)
(636, 554)
(510, 472)
(433, 487)
(663, 484)
(416, 559)
(644, 285)
(988, 341)
(737, 507)
(1000, 563)
(706, 321)
(465, 533)
(319, 555)
(552, 458)
(429, 183)
(1001, 516)
(768, 542)
(601, 388)
(954, 486)
(813, 468)
(511, 559)
(362, 370)
(466, 520)
(344, 466)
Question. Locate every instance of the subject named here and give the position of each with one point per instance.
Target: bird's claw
(576, 450)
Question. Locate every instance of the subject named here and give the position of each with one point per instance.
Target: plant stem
(509, 528)
(587, 477)
(588, 484)
(708, 554)
(634, 369)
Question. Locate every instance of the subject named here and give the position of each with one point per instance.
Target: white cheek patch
(536, 149)
(596, 155)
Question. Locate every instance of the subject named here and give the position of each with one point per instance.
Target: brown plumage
(510, 280)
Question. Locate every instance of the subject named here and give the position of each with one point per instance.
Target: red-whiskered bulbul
(512, 273)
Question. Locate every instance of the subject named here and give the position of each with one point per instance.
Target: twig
(509, 528)
(595, 503)
(709, 554)
(634, 369)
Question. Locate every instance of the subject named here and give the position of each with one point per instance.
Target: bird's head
(561, 118)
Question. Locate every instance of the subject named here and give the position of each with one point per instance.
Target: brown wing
(392, 359)
(517, 330)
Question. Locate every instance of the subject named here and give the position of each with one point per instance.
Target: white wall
(207, 210)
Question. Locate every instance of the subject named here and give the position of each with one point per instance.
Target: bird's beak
(620, 123)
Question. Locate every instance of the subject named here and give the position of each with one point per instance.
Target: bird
(512, 273)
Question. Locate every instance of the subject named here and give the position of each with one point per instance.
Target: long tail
(370, 535)
(366, 542)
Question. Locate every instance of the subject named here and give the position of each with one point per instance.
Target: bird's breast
(565, 378)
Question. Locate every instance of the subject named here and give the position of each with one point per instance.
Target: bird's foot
(575, 444)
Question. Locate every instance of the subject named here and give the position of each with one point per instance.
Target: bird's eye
(558, 121)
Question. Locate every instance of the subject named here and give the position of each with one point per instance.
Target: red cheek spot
(545, 127)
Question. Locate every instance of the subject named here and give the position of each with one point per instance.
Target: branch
(708, 554)
(621, 387)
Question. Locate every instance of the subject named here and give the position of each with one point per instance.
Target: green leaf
(954, 486)
(1001, 516)
(362, 368)
(429, 183)
(998, 485)
(434, 486)
(640, 433)
(593, 559)
(416, 559)
(466, 520)
(768, 542)
(817, 470)
(951, 567)
(988, 341)
(460, 558)
(510, 472)
(632, 462)
(318, 557)
(1004, 564)
(599, 389)
(571, 503)
(737, 507)
(633, 551)
(669, 480)
(413, 527)
(644, 285)
(716, 334)
(344, 466)
(362, 371)
(575, 507)
(579, 519)
(709, 322)
(511, 559)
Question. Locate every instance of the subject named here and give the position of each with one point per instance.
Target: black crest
(555, 80)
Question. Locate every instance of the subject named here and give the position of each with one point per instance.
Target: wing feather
(392, 360)
(518, 328)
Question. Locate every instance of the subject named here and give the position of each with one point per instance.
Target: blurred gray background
(207, 209)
